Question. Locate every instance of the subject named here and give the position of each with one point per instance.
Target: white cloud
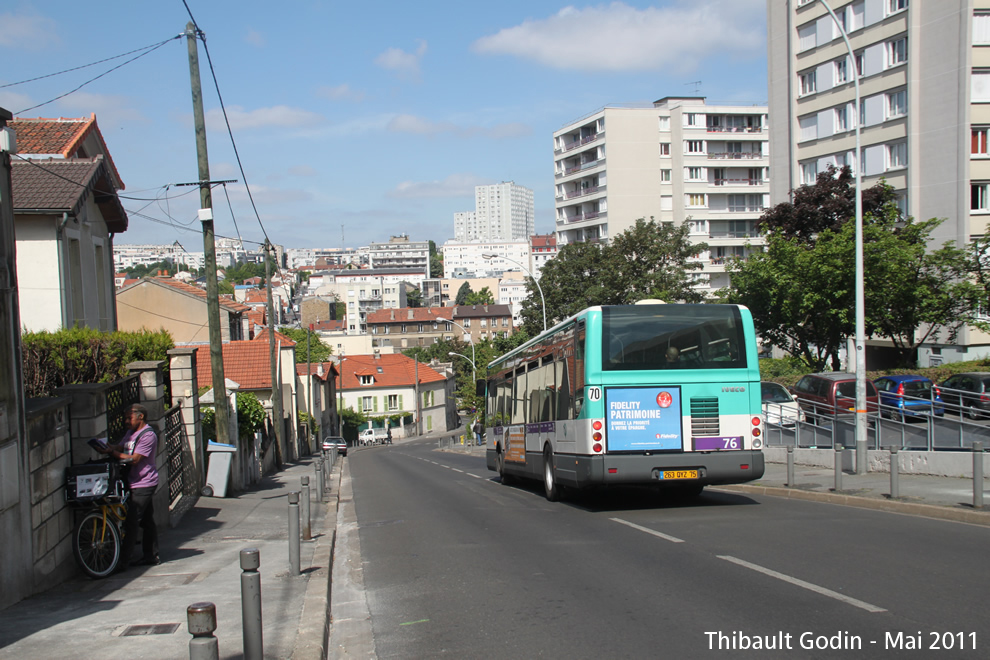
(405, 65)
(255, 38)
(14, 101)
(25, 32)
(275, 116)
(617, 37)
(340, 93)
(455, 185)
(420, 126)
(111, 110)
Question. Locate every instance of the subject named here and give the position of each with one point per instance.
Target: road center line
(806, 585)
(672, 539)
(475, 476)
(456, 470)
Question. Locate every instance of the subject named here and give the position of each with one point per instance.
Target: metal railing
(173, 452)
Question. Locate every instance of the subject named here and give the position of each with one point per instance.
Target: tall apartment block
(502, 212)
(679, 160)
(924, 115)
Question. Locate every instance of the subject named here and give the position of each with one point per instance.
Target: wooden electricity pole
(209, 247)
(273, 357)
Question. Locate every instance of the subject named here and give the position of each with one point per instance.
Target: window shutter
(400, 403)
(359, 408)
(374, 402)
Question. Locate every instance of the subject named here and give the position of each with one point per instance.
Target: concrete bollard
(895, 473)
(790, 467)
(977, 474)
(294, 532)
(251, 628)
(201, 619)
(838, 468)
(307, 523)
(318, 466)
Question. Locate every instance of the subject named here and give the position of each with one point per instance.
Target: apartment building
(400, 252)
(464, 259)
(924, 112)
(422, 326)
(542, 248)
(363, 292)
(678, 160)
(502, 212)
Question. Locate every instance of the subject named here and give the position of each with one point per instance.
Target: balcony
(739, 182)
(735, 155)
(581, 192)
(579, 143)
(735, 129)
(583, 166)
(581, 217)
(734, 234)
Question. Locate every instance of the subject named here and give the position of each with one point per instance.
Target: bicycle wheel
(96, 545)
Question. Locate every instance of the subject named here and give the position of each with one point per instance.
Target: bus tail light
(598, 435)
(756, 421)
(597, 425)
(597, 447)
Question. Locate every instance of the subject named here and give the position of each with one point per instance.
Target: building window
(745, 203)
(809, 172)
(694, 173)
(896, 104)
(665, 176)
(896, 155)
(664, 123)
(367, 380)
(894, 6)
(981, 29)
(979, 147)
(979, 199)
(807, 83)
(860, 60)
(841, 71)
(690, 119)
(896, 51)
(841, 119)
(807, 37)
(392, 401)
(980, 86)
(694, 146)
(695, 200)
(664, 148)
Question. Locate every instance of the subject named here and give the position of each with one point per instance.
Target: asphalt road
(457, 565)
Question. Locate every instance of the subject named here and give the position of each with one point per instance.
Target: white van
(372, 436)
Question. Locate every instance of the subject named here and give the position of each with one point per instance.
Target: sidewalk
(89, 618)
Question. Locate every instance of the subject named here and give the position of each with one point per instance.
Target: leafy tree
(250, 417)
(483, 297)
(436, 261)
(828, 204)
(318, 351)
(414, 298)
(802, 292)
(649, 260)
(462, 294)
(224, 286)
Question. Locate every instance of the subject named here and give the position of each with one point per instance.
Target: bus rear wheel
(549, 477)
(504, 478)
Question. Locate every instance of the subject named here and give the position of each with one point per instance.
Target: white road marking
(672, 539)
(456, 470)
(476, 476)
(806, 585)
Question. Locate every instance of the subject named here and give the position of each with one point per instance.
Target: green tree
(318, 351)
(436, 261)
(483, 297)
(462, 294)
(649, 260)
(414, 298)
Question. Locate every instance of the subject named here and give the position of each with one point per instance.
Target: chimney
(319, 370)
(411, 314)
(392, 313)
(486, 309)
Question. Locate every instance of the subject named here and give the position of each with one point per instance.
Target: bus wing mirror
(480, 387)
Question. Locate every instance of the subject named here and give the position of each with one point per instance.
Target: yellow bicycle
(98, 490)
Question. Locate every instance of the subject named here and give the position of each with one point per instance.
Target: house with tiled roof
(397, 390)
(421, 326)
(180, 308)
(66, 215)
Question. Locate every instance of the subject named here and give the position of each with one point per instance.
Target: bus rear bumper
(727, 467)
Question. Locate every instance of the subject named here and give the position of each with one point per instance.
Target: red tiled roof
(194, 291)
(328, 326)
(397, 370)
(256, 317)
(547, 240)
(60, 186)
(419, 315)
(279, 337)
(256, 296)
(329, 370)
(60, 137)
(247, 363)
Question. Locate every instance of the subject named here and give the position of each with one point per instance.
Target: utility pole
(309, 380)
(272, 354)
(209, 247)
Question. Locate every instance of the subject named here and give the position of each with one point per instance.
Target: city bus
(661, 394)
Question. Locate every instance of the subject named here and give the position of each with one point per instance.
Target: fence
(120, 396)
(174, 452)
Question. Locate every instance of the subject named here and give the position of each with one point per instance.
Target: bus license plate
(678, 474)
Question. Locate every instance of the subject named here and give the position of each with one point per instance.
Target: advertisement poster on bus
(515, 444)
(643, 418)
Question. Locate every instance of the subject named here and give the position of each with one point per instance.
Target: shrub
(84, 355)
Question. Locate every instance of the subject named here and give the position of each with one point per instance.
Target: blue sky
(380, 117)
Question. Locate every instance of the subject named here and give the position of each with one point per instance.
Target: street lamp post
(474, 369)
(463, 330)
(861, 418)
(543, 300)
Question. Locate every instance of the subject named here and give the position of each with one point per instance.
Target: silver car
(779, 406)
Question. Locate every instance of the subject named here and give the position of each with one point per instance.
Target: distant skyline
(348, 118)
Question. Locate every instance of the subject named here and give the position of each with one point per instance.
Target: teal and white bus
(630, 394)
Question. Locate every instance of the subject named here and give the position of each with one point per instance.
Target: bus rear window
(645, 337)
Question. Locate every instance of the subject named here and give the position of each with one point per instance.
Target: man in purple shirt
(138, 448)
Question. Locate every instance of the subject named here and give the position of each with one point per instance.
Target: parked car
(779, 406)
(969, 391)
(908, 396)
(832, 393)
(335, 442)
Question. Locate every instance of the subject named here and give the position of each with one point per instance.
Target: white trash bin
(218, 472)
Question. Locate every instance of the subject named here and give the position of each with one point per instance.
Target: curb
(970, 516)
(314, 624)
